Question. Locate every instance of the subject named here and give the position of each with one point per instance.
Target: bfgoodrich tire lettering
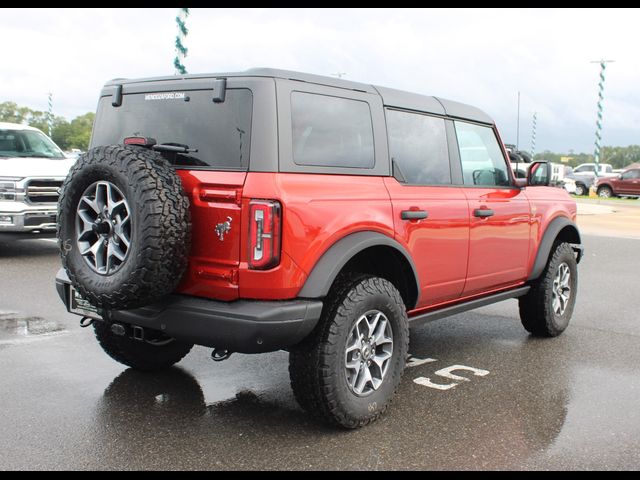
(542, 311)
(317, 365)
(160, 228)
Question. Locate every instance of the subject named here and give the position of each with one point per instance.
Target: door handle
(413, 214)
(483, 212)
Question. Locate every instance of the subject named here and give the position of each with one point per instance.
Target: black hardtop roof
(390, 97)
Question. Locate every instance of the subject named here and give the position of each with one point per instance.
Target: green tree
(12, 113)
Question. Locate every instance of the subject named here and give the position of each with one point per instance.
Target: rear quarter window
(331, 131)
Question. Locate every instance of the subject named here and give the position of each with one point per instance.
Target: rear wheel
(155, 352)
(547, 308)
(349, 368)
(581, 190)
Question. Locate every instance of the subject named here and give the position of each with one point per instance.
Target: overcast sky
(481, 57)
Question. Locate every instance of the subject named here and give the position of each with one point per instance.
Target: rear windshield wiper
(173, 147)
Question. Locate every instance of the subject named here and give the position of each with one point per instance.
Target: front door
(499, 212)
(628, 184)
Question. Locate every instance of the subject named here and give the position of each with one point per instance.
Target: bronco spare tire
(124, 227)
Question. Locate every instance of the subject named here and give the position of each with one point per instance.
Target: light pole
(603, 64)
(181, 50)
(50, 114)
(533, 134)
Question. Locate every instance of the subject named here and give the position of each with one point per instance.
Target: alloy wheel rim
(103, 227)
(368, 352)
(561, 289)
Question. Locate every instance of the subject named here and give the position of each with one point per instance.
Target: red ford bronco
(265, 210)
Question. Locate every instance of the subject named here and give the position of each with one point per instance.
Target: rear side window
(483, 163)
(331, 131)
(220, 132)
(418, 145)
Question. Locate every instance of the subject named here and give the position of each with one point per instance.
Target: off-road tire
(536, 310)
(316, 366)
(160, 230)
(139, 354)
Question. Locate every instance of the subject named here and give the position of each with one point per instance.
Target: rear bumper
(245, 326)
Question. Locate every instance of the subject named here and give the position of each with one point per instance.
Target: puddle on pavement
(14, 324)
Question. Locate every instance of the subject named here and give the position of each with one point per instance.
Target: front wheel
(581, 190)
(349, 368)
(546, 310)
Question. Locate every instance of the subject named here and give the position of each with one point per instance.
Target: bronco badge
(222, 228)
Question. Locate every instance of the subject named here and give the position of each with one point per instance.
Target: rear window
(220, 132)
(331, 131)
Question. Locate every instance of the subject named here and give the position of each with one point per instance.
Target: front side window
(483, 163)
(586, 168)
(418, 146)
(331, 131)
(631, 175)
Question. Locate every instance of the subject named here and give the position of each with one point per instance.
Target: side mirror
(521, 182)
(539, 174)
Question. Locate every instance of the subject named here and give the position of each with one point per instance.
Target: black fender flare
(551, 233)
(336, 257)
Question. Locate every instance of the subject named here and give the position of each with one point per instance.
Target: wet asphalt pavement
(572, 402)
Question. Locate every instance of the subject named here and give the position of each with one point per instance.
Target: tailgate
(215, 199)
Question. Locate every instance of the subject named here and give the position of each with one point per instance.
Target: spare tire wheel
(124, 227)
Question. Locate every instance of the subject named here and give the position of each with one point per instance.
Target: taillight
(264, 234)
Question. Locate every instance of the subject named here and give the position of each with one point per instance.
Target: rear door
(499, 213)
(431, 215)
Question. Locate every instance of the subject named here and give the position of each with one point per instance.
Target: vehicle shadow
(162, 420)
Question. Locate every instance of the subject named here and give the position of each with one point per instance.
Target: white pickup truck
(32, 169)
(604, 169)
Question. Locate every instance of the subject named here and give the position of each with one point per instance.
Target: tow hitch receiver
(138, 333)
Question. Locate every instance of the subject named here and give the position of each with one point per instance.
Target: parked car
(73, 153)
(569, 185)
(583, 181)
(268, 210)
(32, 169)
(520, 160)
(604, 169)
(626, 184)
